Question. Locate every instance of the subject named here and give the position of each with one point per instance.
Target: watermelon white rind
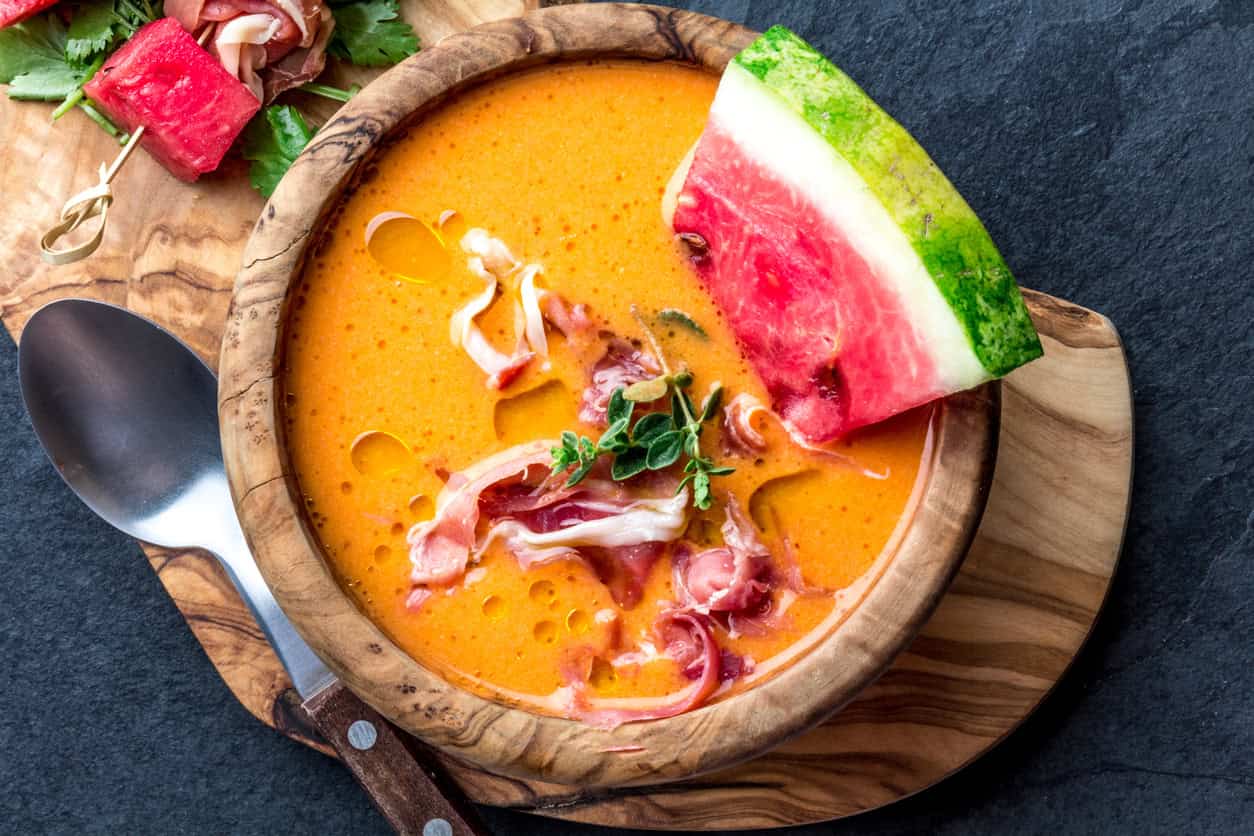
(857, 280)
(948, 237)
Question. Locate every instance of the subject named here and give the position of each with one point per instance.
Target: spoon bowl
(128, 415)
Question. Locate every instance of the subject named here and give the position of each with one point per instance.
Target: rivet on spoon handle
(400, 783)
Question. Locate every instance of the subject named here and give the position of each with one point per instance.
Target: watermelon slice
(14, 11)
(191, 108)
(856, 279)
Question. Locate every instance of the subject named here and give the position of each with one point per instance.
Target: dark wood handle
(404, 780)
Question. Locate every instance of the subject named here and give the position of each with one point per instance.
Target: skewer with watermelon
(857, 280)
(190, 108)
(186, 86)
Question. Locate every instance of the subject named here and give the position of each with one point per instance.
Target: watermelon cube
(12, 11)
(857, 280)
(191, 108)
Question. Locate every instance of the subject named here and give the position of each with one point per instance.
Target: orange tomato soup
(567, 165)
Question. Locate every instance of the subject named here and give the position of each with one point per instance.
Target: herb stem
(653, 343)
(103, 121)
(77, 96)
(329, 92)
(68, 104)
(139, 14)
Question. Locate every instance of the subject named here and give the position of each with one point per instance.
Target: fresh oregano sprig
(657, 440)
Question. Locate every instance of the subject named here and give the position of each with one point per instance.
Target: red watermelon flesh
(856, 279)
(13, 11)
(191, 108)
(790, 283)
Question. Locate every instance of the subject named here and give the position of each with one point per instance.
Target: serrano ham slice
(621, 534)
(740, 437)
(269, 45)
(688, 641)
(440, 548)
(622, 365)
(734, 577)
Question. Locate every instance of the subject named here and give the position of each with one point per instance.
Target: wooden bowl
(898, 594)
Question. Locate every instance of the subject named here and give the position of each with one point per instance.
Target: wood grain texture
(1013, 619)
(1016, 614)
(877, 617)
(171, 254)
(403, 778)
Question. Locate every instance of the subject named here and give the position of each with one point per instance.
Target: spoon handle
(403, 779)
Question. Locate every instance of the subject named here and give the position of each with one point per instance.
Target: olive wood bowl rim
(499, 738)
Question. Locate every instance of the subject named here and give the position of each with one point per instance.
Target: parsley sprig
(370, 33)
(271, 142)
(657, 440)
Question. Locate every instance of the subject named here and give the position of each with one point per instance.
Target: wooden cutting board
(1013, 620)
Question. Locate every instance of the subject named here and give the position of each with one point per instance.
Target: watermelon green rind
(948, 238)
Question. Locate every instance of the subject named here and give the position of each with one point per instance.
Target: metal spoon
(128, 415)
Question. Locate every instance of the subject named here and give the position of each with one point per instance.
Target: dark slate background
(1108, 147)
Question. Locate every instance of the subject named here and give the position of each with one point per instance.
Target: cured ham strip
(491, 260)
(240, 46)
(595, 523)
(688, 641)
(269, 45)
(740, 437)
(500, 368)
(300, 65)
(533, 318)
(734, 577)
(573, 321)
(492, 252)
(440, 548)
(622, 365)
(620, 534)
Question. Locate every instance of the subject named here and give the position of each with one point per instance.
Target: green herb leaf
(620, 407)
(91, 31)
(33, 62)
(370, 33)
(647, 391)
(658, 440)
(100, 26)
(580, 473)
(665, 450)
(677, 411)
(614, 440)
(651, 426)
(678, 317)
(272, 141)
(692, 445)
(701, 490)
(712, 402)
(628, 463)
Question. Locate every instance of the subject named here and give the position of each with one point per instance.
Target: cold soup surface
(412, 358)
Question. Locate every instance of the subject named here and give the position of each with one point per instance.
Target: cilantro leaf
(33, 63)
(370, 33)
(91, 31)
(272, 141)
(100, 26)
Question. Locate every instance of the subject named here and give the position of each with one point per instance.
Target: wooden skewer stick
(92, 202)
(84, 206)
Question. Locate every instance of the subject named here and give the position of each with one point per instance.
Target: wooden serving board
(1018, 612)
